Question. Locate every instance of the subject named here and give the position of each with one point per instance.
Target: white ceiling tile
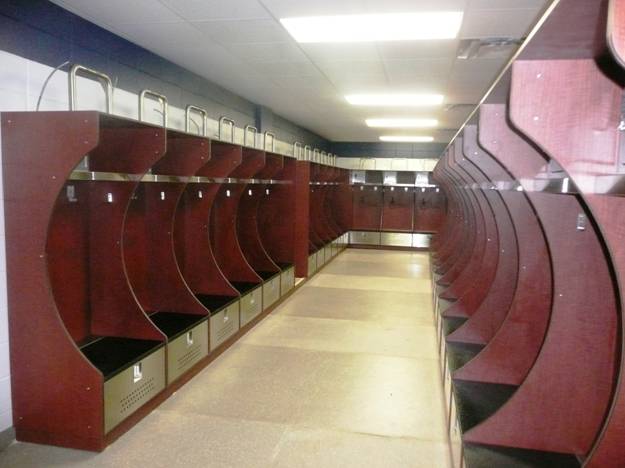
(115, 12)
(267, 52)
(291, 8)
(404, 6)
(155, 36)
(359, 82)
(201, 10)
(313, 84)
(435, 69)
(507, 4)
(287, 69)
(323, 52)
(407, 50)
(243, 31)
(352, 67)
(476, 70)
(498, 23)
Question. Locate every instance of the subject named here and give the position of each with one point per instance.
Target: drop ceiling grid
(240, 45)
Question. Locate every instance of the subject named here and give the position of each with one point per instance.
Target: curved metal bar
(297, 150)
(307, 152)
(224, 120)
(108, 88)
(187, 125)
(249, 129)
(159, 97)
(273, 141)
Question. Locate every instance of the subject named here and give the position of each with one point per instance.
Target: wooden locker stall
(150, 259)
(533, 379)
(196, 254)
(85, 357)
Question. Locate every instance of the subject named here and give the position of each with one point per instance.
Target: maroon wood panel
(223, 221)
(509, 356)
(561, 390)
(194, 252)
(454, 246)
(149, 254)
(67, 248)
(488, 317)
(148, 241)
(57, 393)
(277, 216)
(186, 154)
(337, 203)
(114, 308)
(575, 29)
(398, 209)
(48, 373)
(429, 209)
(586, 144)
(340, 202)
(465, 226)
(454, 253)
(367, 211)
(472, 286)
(248, 226)
(302, 217)
(571, 380)
(322, 230)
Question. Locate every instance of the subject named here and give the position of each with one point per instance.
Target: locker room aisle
(343, 374)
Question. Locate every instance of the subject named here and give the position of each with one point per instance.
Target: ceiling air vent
(492, 47)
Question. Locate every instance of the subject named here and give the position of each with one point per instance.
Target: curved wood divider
(276, 216)
(194, 251)
(454, 244)
(508, 357)
(148, 243)
(491, 312)
(471, 288)
(459, 270)
(319, 222)
(223, 222)
(249, 236)
(587, 145)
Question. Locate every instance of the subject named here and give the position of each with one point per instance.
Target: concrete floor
(343, 374)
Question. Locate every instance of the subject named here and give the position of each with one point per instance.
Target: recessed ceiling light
(375, 27)
(407, 139)
(401, 123)
(395, 100)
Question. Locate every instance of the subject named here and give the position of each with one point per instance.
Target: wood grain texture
(585, 143)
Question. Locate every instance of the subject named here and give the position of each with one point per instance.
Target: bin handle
(159, 97)
(102, 77)
(307, 151)
(273, 141)
(187, 114)
(226, 120)
(249, 129)
(297, 150)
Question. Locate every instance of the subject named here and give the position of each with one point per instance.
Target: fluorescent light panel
(401, 123)
(406, 138)
(395, 100)
(375, 27)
